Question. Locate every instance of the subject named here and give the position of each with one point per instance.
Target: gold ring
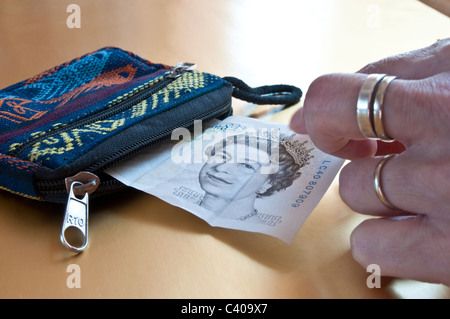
(378, 109)
(377, 181)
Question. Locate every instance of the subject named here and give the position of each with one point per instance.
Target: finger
(415, 248)
(357, 190)
(413, 111)
(417, 110)
(412, 181)
(329, 116)
(417, 64)
(297, 123)
(345, 148)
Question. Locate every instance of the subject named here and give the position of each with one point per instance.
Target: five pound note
(239, 173)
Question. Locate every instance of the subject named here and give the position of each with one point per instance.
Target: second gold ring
(378, 182)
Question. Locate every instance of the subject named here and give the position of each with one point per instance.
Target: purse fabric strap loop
(280, 94)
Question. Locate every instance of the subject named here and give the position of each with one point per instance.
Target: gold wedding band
(377, 181)
(369, 107)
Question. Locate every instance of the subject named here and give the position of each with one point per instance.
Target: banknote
(238, 173)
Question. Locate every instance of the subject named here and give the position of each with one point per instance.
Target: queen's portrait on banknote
(233, 177)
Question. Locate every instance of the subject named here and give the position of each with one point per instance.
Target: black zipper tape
(215, 104)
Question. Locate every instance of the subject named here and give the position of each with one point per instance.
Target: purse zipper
(56, 186)
(74, 231)
(137, 147)
(147, 91)
(77, 209)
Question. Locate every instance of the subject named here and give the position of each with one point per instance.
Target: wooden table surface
(141, 247)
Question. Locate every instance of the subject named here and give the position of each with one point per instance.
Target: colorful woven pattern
(67, 146)
(16, 176)
(69, 91)
(58, 116)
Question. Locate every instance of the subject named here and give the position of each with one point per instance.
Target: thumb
(297, 123)
(406, 248)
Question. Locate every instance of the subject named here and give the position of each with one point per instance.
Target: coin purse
(60, 129)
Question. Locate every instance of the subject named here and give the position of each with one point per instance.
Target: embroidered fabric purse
(60, 129)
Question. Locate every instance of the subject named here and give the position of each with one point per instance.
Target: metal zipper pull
(74, 232)
(180, 69)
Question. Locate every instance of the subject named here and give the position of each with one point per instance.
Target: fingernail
(401, 217)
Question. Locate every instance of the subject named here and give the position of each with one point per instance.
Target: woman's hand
(416, 181)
